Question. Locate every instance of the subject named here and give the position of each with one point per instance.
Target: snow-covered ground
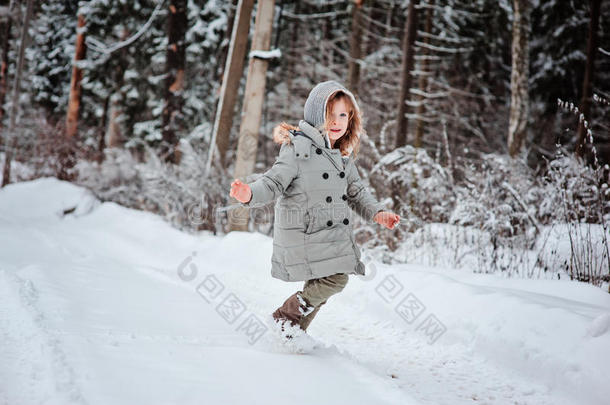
(110, 305)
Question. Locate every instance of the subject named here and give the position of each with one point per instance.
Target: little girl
(317, 183)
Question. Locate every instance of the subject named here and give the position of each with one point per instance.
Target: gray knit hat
(315, 106)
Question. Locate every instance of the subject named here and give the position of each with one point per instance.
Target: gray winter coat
(317, 189)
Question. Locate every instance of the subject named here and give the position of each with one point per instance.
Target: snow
(272, 54)
(103, 304)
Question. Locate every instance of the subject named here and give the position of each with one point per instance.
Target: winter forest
(486, 128)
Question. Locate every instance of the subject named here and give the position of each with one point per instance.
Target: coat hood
(314, 114)
(315, 106)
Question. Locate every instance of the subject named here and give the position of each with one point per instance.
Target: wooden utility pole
(408, 53)
(224, 50)
(12, 144)
(252, 106)
(230, 81)
(585, 102)
(355, 51)
(423, 79)
(519, 95)
(77, 76)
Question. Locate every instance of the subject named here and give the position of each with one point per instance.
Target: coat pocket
(308, 221)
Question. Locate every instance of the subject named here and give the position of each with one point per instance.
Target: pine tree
(125, 65)
(49, 58)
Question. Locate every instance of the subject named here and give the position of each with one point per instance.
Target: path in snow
(97, 307)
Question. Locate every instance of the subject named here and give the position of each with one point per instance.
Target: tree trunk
(375, 15)
(278, 32)
(101, 142)
(355, 51)
(423, 80)
(389, 20)
(77, 75)
(519, 100)
(113, 137)
(290, 61)
(587, 83)
(6, 44)
(223, 120)
(327, 52)
(408, 52)
(12, 143)
(174, 82)
(252, 107)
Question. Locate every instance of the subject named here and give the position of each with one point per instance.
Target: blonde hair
(350, 141)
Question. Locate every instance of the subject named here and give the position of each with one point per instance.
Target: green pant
(318, 290)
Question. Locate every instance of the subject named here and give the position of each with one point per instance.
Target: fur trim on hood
(281, 133)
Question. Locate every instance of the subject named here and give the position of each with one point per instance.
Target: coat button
(344, 197)
(342, 174)
(325, 175)
(346, 221)
(329, 199)
(329, 223)
(318, 151)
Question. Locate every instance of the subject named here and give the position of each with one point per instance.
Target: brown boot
(293, 310)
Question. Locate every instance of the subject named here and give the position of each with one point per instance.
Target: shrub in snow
(580, 250)
(497, 194)
(472, 249)
(505, 215)
(41, 149)
(577, 198)
(582, 198)
(182, 194)
(418, 186)
(574, 191)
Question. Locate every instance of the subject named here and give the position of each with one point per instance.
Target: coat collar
(318, 138)
(313, 133)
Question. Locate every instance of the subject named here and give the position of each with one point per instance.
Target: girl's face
(338, 120)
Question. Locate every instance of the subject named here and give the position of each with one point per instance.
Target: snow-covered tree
(49, 58)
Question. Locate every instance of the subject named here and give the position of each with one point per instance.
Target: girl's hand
(241, 191)
(387, 219)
